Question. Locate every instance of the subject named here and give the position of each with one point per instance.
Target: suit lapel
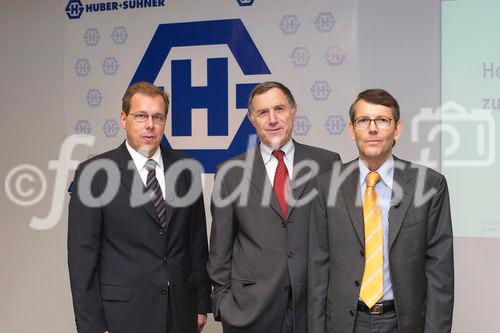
(168, 192)
(300, 155)
(130, 174)
(404, 178)
(260, 181)
(352, 195)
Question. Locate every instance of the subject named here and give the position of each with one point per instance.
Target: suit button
(356, 283)
(161, 232)
(163, 292)
(290, 254)
(351, 312)
(362, 253)
(165, 260)
(287, 289)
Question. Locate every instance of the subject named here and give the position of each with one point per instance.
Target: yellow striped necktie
(372, 286)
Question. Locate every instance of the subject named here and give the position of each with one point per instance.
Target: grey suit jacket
(257, 256)
(420, 251)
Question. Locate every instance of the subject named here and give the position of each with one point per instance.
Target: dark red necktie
(281, 181)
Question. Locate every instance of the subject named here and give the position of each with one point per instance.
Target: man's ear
(399, 129)
(123, 120)
(351, 131)
(250, 117)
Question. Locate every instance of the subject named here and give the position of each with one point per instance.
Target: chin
(276, 142)
(146, 150)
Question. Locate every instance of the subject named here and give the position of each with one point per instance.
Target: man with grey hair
(258, 246)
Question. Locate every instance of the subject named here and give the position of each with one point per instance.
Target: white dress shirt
(140, 162)
(271, 162)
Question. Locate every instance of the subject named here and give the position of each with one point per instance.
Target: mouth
(373, 142)
(149, 137)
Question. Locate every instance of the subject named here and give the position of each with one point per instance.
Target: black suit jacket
(124, 266)
(420, 251)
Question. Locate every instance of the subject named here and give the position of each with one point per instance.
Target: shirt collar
(386, 172)
(140, 160)
(267, 152)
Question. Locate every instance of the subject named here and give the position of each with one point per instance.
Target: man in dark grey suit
(137, 264)
(258, 245)
(381, 243)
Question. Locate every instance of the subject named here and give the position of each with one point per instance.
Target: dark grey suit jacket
(124, 266)
(257, 255)
(420, 251)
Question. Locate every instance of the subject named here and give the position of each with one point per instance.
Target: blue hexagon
(335, 124)
(110, 128)
(74, 9)
(94, 98)
(244, 3)
(324, 22)
(301, 126)
(335, 56)
(110, 66)
(230, 32)
(91, 37)
(289, 24)
(119, 35)
(82, 67)
(321, 90)
(300, 56)
(83, 127)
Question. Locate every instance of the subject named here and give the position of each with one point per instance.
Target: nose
(149, 122)
(272, 117)
(372, 127)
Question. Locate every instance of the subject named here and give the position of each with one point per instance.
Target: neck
(373, 164)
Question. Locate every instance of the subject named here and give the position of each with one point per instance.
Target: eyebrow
(274, 107)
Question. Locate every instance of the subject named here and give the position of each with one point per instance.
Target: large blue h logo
(213, 97)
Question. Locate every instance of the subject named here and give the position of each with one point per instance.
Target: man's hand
(202, 320)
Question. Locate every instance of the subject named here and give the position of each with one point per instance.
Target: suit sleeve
(199, 254)
(318, 266)
(439, 263)
(222, 238)
(84, 240)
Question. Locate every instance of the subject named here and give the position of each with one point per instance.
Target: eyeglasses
(142, 117)
(364, 122)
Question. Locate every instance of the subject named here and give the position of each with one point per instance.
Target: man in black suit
(381, 242)
(137, 261)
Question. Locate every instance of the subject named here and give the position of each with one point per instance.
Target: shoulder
(174, 155)
(418, 170)
(241, 157)
(110, 156)
(316, 151)
(181, 164)
(339, 172)
(325, 158)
